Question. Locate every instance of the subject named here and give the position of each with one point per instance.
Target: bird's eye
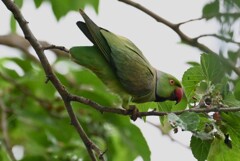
(171, 82)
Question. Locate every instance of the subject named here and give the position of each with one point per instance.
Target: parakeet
(123, 67)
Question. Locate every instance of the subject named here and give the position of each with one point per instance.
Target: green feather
(91, 58)
(132, 69)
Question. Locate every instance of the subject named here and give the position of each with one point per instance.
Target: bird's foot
(134, 112)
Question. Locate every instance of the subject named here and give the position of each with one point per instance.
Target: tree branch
(61, 48)
(219, 37)
(4, 126)
(211, 16)
(19, 42)
(130, 112)
(191, 20)
(186, 39)
(52, 77)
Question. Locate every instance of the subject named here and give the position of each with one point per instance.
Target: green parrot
(123, 67)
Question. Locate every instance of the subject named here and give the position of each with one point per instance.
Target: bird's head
(168, 88)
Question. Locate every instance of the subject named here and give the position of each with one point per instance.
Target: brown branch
(52, 77)
(219, 37)
(210, 16)
(19, 42)
(150, 13)
(99, 107)
(191, 20)
(130, 112)
(196, 110)
(4, 126)
(121, 111)
(186, 39)
(61, 48)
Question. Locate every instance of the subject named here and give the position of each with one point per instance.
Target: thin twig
(52, 77)
(219, 37)
(150, 13)
(99, 107)
(237, 14)
(191, 20)
(160, 128)
(62, 48)
(19, 42)
(186, 39)
(4, 125)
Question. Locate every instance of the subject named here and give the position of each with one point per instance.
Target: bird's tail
(92, 31)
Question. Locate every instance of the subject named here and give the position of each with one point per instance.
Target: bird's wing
(90, 57)
(132, 69)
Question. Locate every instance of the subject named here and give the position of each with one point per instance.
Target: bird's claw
(133, 110)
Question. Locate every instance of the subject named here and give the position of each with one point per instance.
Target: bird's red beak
(178, 94)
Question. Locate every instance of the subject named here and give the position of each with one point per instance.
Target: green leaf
(38, 3)
(211, 9)
(143, 107)
(3, 154)
(200, 148)
(13, 24)
(34, 157)
(230, 100)
(132, 138)
(233, 55)
(191, 79)
(212, 68)
(233, 127)
(168, 106)
(139, 142)
(182, 105)
(81, 4)
(187, 121)
(35, 81)
(237, 90)
(24, 64)
(61, 8)
(19, 3)
(191, 120)
(165, 106)
(175, 121)
(219, 151)
(193, 63)
(10, 73)
(117, 151)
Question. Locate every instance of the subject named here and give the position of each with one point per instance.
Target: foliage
(37, 119)
(210, 90)
(31, 109)
(61, 8)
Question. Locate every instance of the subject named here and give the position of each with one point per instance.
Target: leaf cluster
(38, 122)
(207, 85)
